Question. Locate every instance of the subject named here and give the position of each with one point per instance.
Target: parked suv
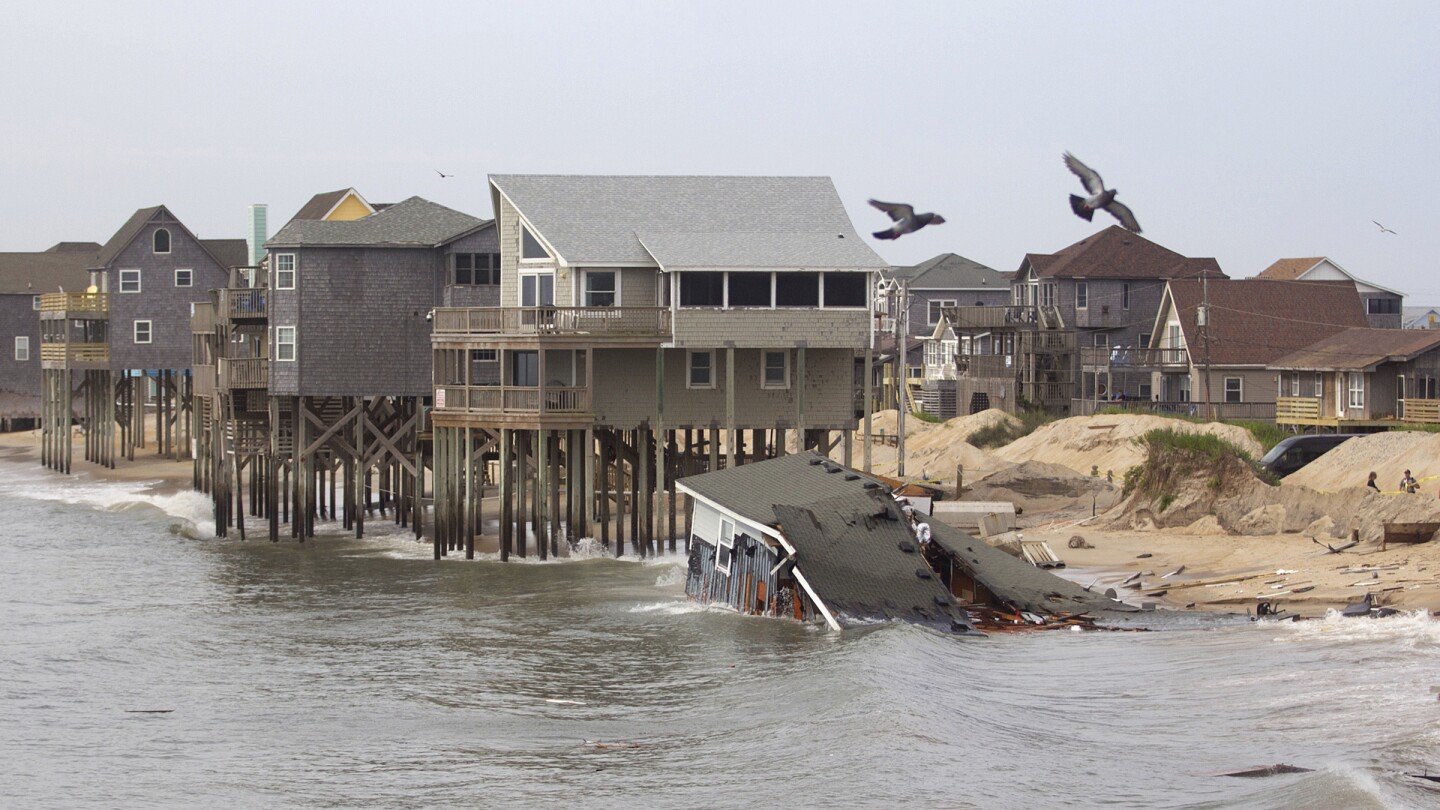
(1295, 452)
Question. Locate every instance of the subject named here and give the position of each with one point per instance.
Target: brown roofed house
(1383, 306)
(1251, 323)
(1361, 378)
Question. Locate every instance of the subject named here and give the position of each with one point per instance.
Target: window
(1124, 296)
(701, 370)
(797, 289)
(184, 278)
(22, 347)
(537, 290)
(1295, 384)
(1234, 389)
(129, 281)
(1357, 389)
(1144, 339)
(483, 356)
(1146, 391)
(600, 288)
(702, 289)
(1047, 295)
(846, 289)
(1175, 341)
(285, 271)
(142, 331)
(475, 268)
(935, 306)
(749, 289)
(1383, 306)
(161, 240)
(285, 344)
(1319, 385)
(724, 546)
(775, 369)
(525, 368)
(530, 247)
(1082, 295)
(1100, 339)
(35, 303)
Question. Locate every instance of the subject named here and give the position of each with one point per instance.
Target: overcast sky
(1311, 118)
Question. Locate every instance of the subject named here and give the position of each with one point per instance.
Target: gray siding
(759, 328)
(18, 318)
(1385, 321)
(920, 324)
(624, 390)
(166, 306)
(361, 321)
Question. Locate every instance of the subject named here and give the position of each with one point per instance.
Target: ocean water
(344, 672)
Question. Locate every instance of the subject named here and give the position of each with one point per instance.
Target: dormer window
(530, 247)
(161, 240)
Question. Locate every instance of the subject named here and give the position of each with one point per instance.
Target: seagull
(905, 218)
(443, 174)
(1383, 229)
(1100, 197)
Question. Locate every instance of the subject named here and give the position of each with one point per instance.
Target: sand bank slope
(1109, 441)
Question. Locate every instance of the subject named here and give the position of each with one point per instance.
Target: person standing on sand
(1371, 483)
(1408, 484)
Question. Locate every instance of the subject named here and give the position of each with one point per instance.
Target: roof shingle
(1360, 349)
(1118, 253)
(949, 271)
(1289, 269)
(416, 222)
(1256, 321)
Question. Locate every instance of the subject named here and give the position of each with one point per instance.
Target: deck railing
(1133, 357)
(628, 321)
(249, 372)
(1297, 409)
(985, 365)
(1263, 411)
(236, 304)
(75, 352)
(75, 302)
(508, 399)
(1422, 411)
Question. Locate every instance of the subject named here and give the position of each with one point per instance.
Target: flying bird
(1100, 197)
(443, 174)
(1383, 229)
(905, 219)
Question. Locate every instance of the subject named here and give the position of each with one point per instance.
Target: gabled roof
(690, 221)
(1360, 349)
(752, 491)
(1256, 321)
(228, 252)
(323, 203)
(1297, 269)
(36, 273)
(1419, 317)
(1290, 269)
(137, 222)
(1118, 253)
(416, 222)
(949, 271)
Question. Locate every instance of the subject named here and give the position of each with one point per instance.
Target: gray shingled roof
(690, 219)
(35, 273)
(125, 235)
(74, 247)
(949, 271)
(229, 252)
(764, 249)
(852, 550)
(416, 222)
(319, 205)
(754, 490)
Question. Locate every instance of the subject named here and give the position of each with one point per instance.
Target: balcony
(1006, 317)
(61, 305)
(249, 372)
(74, 355)
(986, 365)
(516, 406)
(1128, 357)
(1261, 411)
(602, 322)
(243, 304)
(1420, 411)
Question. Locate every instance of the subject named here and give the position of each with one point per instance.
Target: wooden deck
(546, 407)
(625, 324)
(75, 355)
(63, 305)
(1308, 412)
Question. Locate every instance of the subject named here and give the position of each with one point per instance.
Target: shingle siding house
(24, 277)
(1383, 306)
(640, 316)
(1251, 323)
(1361, 378)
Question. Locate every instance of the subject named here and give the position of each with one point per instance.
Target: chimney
(257, 234)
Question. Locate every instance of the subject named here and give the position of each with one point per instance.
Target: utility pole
(1202, 320)
(902, 347)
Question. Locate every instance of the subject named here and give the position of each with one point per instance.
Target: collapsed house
(802, 537)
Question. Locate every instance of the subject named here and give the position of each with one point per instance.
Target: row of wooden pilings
(112, 414)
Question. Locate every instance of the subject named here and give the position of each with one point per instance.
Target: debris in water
(1266, 770)
(564, 702)
(1427, 777)
(600, 745)
(148, 711)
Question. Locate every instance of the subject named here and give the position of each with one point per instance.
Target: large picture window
(846, 289)
(476, 268)
(702, 289)
(749, 289)
(797, 289)
(537, 290)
